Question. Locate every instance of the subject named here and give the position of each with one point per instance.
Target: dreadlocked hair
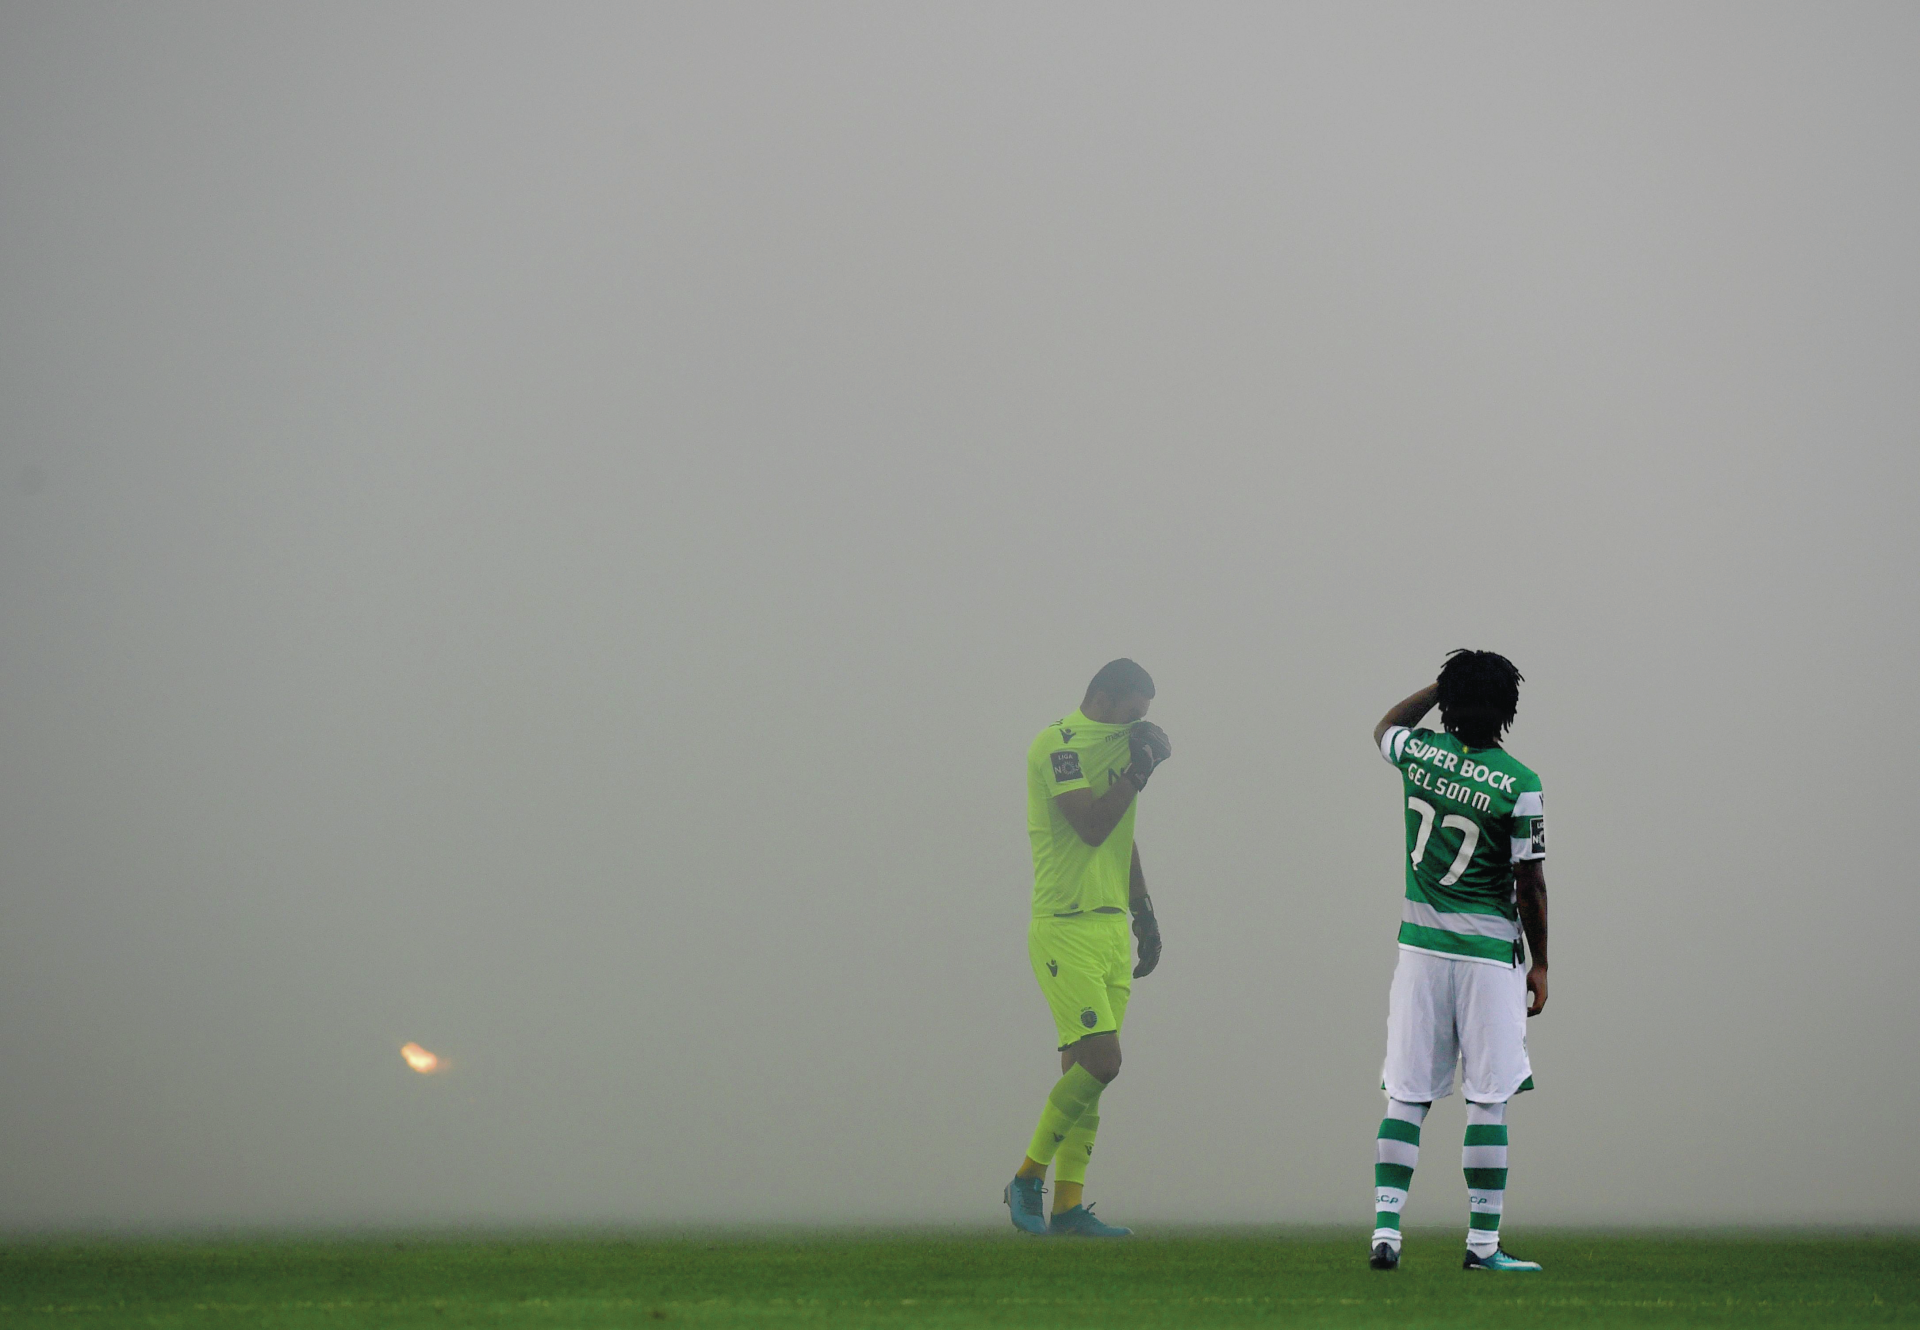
(1479, 692)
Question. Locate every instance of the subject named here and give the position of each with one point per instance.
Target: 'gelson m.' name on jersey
(1471, 814)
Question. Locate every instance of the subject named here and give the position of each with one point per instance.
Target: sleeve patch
(1538, 836)
(1066, 766)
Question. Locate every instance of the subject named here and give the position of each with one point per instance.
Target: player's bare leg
(1098, 1053)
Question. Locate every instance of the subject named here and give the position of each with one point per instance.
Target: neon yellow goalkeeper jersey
(1070, 876)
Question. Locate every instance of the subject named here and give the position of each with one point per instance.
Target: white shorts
(1444, 1011)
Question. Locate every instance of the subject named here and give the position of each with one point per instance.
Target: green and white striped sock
(1396, 1150)
(1483, 1158)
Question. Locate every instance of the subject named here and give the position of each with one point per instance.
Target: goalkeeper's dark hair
(1121, 678)
(1479, 692)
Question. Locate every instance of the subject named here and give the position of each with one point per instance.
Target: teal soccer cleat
(1498, 1261)
(1081, 1222)
(1023, 1202)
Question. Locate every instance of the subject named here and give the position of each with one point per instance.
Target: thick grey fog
(548, 531)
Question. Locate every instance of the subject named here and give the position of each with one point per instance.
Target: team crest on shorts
(1089, 1018)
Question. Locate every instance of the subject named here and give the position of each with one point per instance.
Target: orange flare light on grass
(419, 1059)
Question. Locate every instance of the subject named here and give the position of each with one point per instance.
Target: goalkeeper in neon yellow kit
(1084, 774)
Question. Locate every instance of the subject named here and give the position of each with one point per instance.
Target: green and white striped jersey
(1471, 813)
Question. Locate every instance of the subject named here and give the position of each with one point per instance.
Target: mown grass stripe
(931, 1280)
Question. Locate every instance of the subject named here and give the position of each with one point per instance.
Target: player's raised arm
(1530, 894)
(1407, 713)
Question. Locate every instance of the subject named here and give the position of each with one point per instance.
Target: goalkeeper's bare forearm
(1093, 819)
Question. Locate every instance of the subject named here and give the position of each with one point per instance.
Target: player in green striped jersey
(1476, 882)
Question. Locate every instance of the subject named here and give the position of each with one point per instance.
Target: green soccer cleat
(1499, 1260)
(1081, 1222)
(1023, 1202)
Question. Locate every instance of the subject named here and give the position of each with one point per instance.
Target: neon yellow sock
(1070, 1166)
(1070, 1097)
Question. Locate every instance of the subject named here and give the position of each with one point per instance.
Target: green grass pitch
(1192, 1279)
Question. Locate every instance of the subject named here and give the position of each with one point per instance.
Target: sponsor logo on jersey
(1066, 765)
(1066, 735)
(1089, 1018)
(1466, 767)
(1053, 968)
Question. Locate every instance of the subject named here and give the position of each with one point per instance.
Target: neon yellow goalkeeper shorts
(1085, 968)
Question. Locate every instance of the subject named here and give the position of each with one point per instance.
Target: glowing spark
(419, 1059)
